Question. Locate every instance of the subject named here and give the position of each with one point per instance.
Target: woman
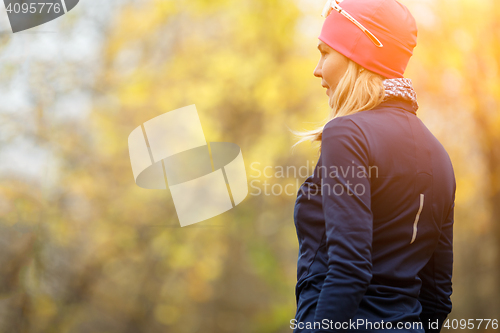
(375, 220)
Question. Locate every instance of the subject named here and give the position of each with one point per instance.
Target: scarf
(401, 88)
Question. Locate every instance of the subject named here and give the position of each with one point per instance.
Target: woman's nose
(317, 70)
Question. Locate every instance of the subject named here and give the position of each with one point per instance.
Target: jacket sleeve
(346, 196)
(436, 276)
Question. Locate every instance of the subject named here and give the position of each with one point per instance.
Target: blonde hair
(358, 90)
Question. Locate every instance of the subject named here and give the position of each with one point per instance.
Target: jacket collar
(397, 103)
(402, 89)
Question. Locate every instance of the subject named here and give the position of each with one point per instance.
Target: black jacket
(375, 224)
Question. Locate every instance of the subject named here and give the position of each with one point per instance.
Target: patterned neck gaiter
(401, 88)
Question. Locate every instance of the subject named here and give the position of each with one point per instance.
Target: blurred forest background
(83, 249)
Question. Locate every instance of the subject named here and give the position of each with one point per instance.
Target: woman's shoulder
(348, 124)
(340, 126)
(344, 131)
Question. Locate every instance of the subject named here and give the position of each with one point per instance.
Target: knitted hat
(390, 21)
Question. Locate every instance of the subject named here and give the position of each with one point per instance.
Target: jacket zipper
(417, 217)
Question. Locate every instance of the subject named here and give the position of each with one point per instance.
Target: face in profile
(331, 67)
